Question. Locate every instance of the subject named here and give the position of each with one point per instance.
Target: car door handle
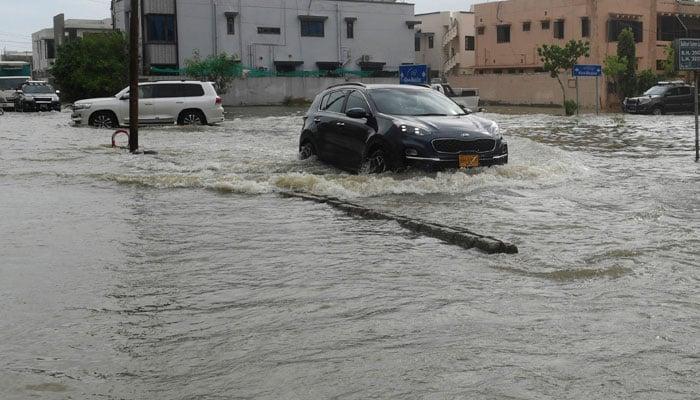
(147, 104)
(340, 123)
(179, 102)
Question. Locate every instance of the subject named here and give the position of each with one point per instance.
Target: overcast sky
(19, 18)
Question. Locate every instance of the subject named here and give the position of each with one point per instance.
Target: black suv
(665, 97)
(375, 128)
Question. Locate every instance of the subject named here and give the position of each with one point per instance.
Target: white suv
(164, 102)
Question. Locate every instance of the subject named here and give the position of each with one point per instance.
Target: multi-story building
(275, 35)
(445, 42)
(509, 32)
(45, 41)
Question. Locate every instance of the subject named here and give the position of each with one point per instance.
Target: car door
(686, 99)
(356, 131)
(329, 123)
(673, 100)
(167, 102)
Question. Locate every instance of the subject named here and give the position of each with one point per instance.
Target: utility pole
(134, 76)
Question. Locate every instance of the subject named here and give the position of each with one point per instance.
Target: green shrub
(645, 80)
(570, 107)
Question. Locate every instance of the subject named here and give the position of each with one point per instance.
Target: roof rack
(346, 84)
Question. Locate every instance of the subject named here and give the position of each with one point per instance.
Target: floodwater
(186, 275)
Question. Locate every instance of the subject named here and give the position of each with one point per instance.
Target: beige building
(445, 42)
(509, 32)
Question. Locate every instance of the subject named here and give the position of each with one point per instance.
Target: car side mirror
(58, 92)
(466, 109)
(124, 97)
(357, 113)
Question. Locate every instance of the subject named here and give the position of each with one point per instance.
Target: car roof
(358, 85)
(170, 82)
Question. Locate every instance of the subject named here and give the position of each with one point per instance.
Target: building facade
(275, 35)
(46, 41)
(509, 32)
(445, 42)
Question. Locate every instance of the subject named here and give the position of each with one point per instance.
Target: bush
(221, 69)
(570, 107)
(93, 66)
(645, 80)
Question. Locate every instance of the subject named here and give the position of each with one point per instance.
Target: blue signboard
(588, 70)
(413, 74)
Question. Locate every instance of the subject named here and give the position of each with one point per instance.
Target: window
(191, 90)
(616, 26)
(417, 44)
(50, 49)
(160, 28)
(673, 92)
(431, 42)
(311, 27)
(503, 34)
(559, 29)
(166, 91)
(545, 25)
(230, 24)
(266, 30)
(480, 30)
(684, 91)
(356, 100)
(146, 92)
(350, 27)
(334, 103)
(469, 44)
(585, 27)
(526, 26)
(660, 65)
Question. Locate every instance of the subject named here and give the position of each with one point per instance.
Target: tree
(646, 80)
(626, 47)
(614, 67)
(93, 66)
(670, 62)
(558, 59)
(220, 68)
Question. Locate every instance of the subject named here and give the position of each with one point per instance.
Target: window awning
(328, 65)
(350, 19)
(412, 24)
(371, 65)
(288, 63)
(231, 14)
(317, 18)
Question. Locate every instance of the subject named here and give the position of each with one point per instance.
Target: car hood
(641, 98)
(453, 126)
(97, 100)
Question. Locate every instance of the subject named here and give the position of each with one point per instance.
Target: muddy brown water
(185, 275)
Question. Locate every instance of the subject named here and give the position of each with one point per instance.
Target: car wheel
(657, 111)
(376, 163)
(191, 117)
(103, 119)
(306, 151)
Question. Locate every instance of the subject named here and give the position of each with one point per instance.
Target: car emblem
(465, 134)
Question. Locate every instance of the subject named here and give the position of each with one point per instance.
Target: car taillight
(218, 100)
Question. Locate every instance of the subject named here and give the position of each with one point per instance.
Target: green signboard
(688, 51)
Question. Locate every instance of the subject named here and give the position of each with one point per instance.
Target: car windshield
(656, 91)
(413, 102)
(35, 89)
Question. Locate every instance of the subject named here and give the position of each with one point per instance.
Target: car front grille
(42, 99)
(459, 145)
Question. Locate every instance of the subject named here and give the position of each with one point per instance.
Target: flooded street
(186, 275)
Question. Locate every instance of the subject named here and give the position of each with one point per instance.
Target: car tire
(103, 119)
(657, 111)
(191, 117)
(376, 163)
(307, 150)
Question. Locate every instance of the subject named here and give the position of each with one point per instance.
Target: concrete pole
(697, 125)
(134, 76)
(597, 96)
(577, 98)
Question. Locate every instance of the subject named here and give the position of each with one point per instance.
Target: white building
(277, 35)
(445, 42)
(46, 41)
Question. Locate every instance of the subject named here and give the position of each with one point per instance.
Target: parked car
(164, 102)
(375, 128)
(466, 97)
(36, 96)
(665, 97)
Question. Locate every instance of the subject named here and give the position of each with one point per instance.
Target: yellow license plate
(468, 160)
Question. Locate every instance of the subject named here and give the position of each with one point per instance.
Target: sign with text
(688, 54)
(587, 70)
(413, 74)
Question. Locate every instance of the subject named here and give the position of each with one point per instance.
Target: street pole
(577, 101)
(597, 96)
(134, 77)
(697, 125)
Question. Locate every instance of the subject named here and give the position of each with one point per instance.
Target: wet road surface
(185, 275)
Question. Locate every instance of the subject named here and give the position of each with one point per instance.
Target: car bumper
(79, 117)
(432, 159)
(215, 116)
(637, 108)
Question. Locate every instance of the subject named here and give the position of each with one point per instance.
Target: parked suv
(165, 102)
(665, 97)
(374, 128)
(36, 96)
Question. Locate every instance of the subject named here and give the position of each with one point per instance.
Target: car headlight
(29, 98)
(413, 130)
(82, 106)
(494, 130)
